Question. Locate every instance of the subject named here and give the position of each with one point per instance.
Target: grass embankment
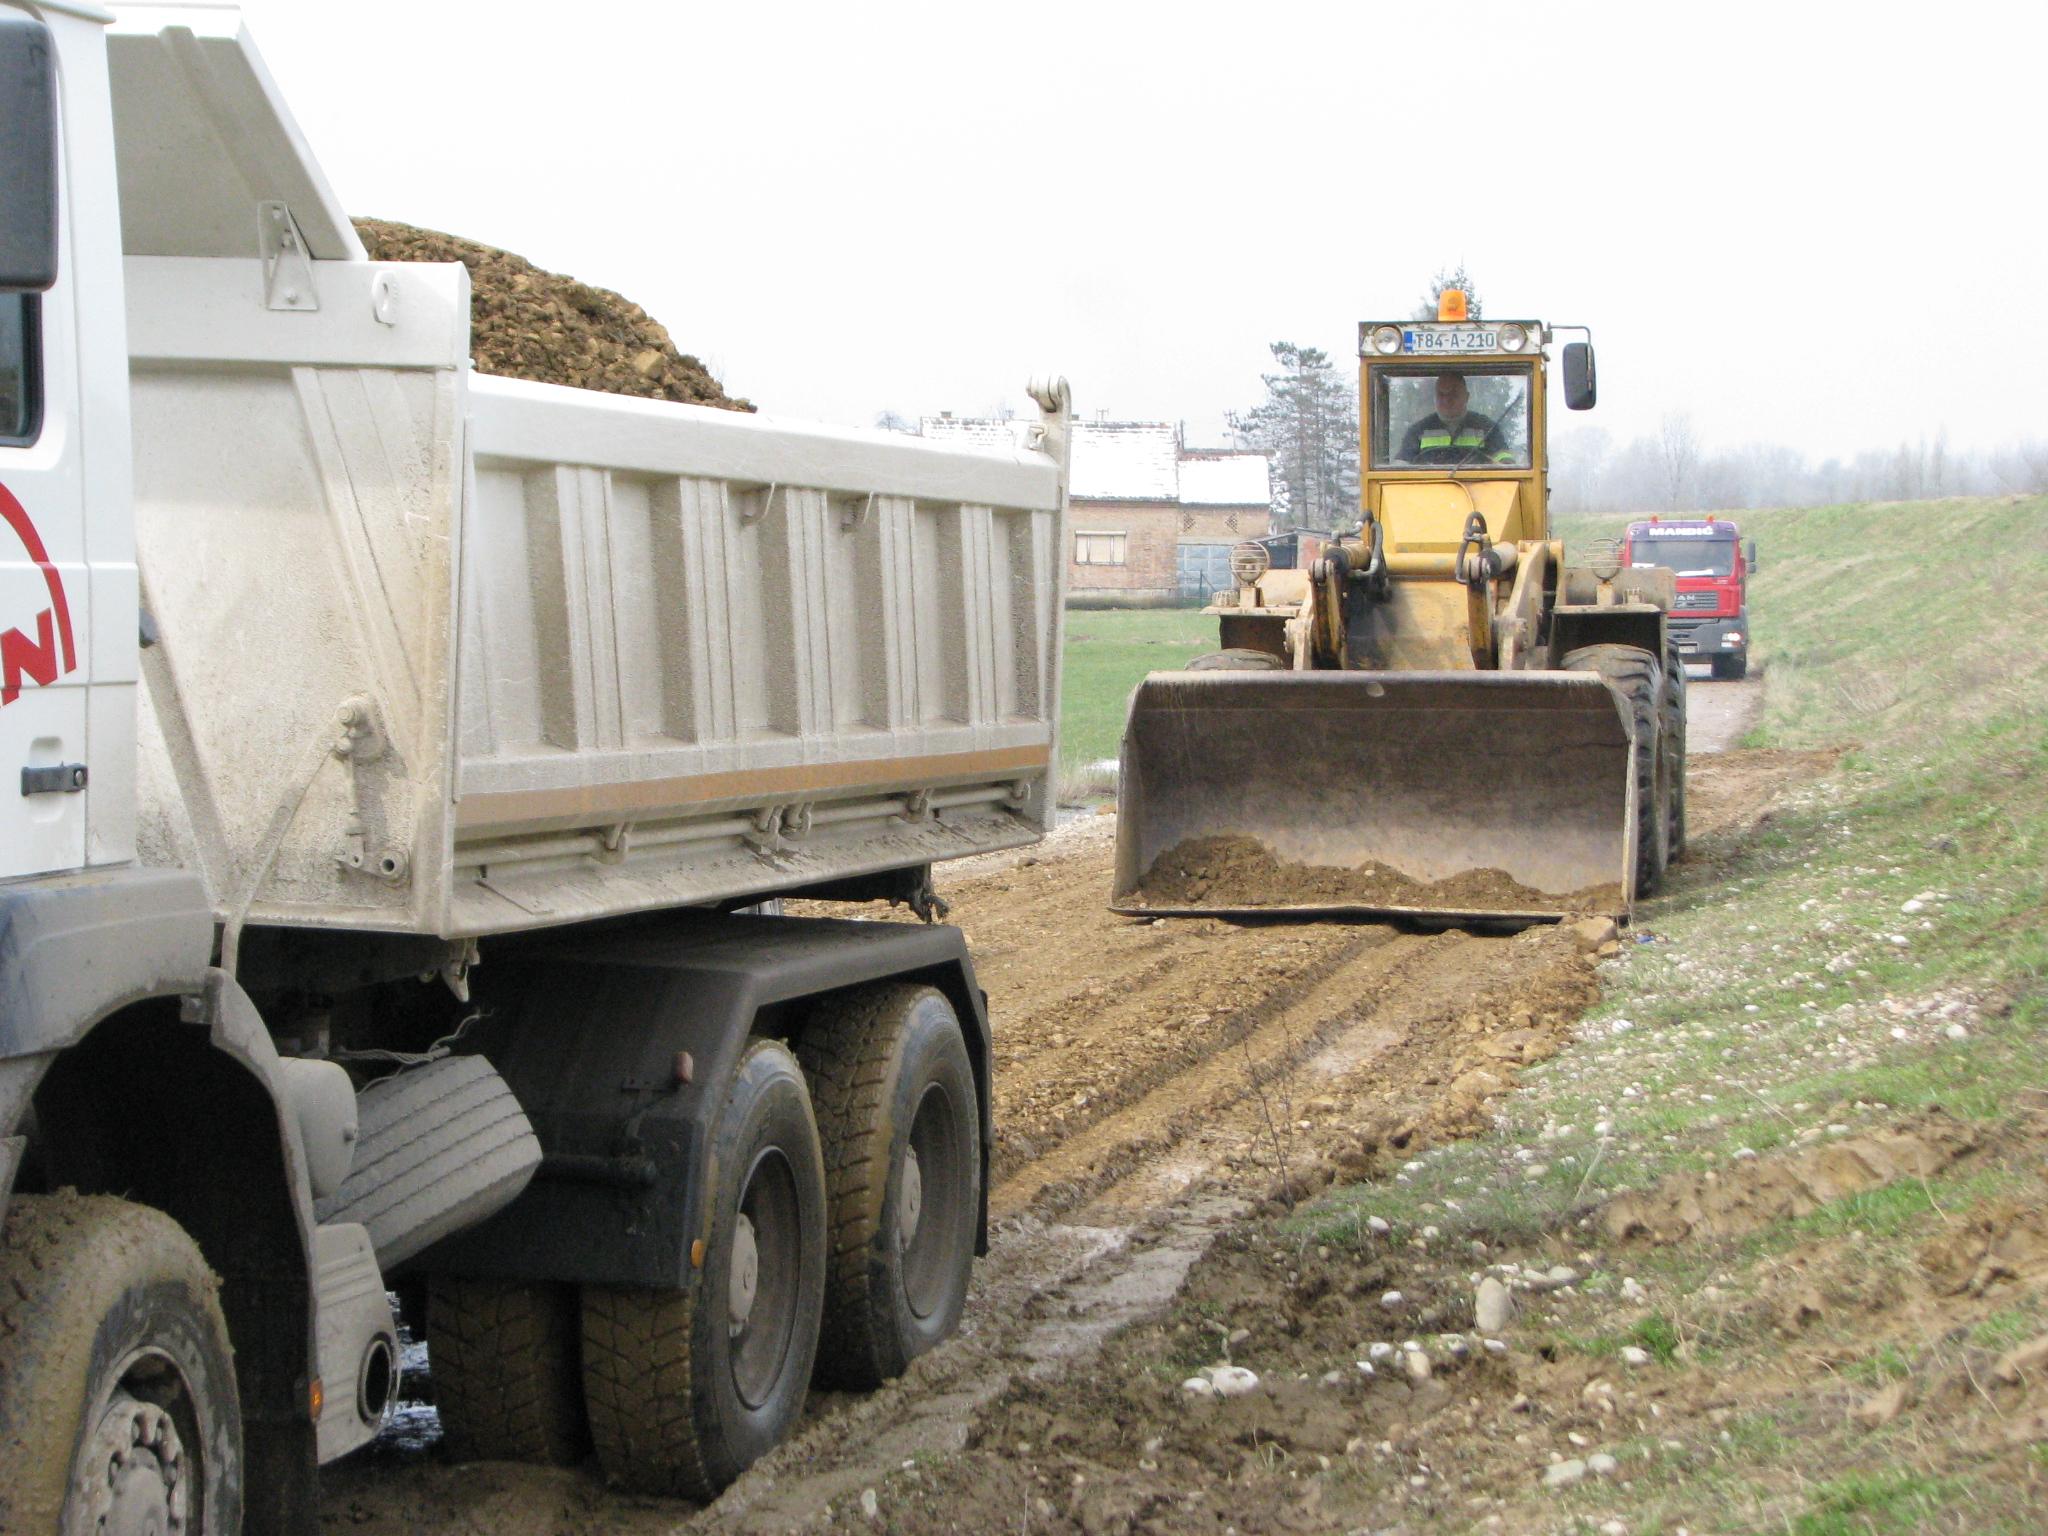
(1873, 951)
(1108, 651)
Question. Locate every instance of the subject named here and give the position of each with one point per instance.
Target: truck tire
(1674, 749)
(1634, 672)
(901, 1125)
(1238, 661)
(115, 1370)
(507, 1368)
(685, 1389)
(1731, 669)
(439, 1147)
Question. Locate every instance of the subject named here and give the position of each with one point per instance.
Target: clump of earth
(1242, 872)
(527, 323)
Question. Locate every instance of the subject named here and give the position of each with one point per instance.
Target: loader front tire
(118, 1406)
(1635, 674)
(508, 1382)
(900, 1120)
(1239, 660)
(688, 1388)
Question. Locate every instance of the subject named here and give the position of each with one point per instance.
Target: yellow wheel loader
(1438, 719)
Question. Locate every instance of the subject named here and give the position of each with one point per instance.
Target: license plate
(1450, 341)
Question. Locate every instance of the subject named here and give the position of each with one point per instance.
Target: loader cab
(1452, 421)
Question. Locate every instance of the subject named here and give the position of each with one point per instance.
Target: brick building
(1151, 521)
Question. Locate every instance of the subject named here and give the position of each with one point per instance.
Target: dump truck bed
(451, 654)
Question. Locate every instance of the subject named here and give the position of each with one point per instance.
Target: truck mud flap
(1457, 796)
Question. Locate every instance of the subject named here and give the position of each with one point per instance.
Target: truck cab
(1712, 563)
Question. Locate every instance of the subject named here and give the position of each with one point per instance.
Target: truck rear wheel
(507, 1370)
(1731, 669)
(118, 1407)
(901, 1124)
(686, 1389)
(1635, 674)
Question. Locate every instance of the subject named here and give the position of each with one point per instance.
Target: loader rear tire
(506, 1363)
(901, 1126)
(688, 1388)
(118, 1404)
(1636, 675)
(1238, 661)
(1674, 749)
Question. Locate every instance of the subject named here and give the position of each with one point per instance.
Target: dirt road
(1717, 715)
(1156, 1080)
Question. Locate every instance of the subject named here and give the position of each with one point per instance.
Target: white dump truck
(411, 764)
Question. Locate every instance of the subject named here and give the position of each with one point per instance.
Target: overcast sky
(1817, 224)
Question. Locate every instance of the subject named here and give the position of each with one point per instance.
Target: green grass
(1109, 650)
(1867, 1503)
(1789, 998)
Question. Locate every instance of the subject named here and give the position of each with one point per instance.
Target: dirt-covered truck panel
(533, 654)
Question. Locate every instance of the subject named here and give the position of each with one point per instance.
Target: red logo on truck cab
(20, 656)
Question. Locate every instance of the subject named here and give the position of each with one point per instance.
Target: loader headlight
(1386, 338)
(1513, 338)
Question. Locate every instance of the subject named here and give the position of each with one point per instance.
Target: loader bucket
(1448, 795)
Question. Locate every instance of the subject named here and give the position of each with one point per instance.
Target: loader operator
(1453, 434)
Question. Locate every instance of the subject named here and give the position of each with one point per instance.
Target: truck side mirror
(28, 156)
(1749, 554)
(1581, 389)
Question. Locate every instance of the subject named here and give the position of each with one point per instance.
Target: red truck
(1713, 562)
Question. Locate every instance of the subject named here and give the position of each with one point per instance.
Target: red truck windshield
(1688, 557)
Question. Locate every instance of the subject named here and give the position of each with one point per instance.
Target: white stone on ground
(1492, 1306)
(1232, 1380)
(1564, 1474)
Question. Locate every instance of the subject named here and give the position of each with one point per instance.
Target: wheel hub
(910, 1203)
(746, 1274)
(132, 1473)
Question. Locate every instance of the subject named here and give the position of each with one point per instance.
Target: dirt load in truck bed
(529, 324)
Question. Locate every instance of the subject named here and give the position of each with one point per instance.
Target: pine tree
(1458, 277)
(1308, 426)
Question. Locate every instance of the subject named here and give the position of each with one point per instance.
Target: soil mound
(525, 323)
(1748, 1197)
(1229, 872)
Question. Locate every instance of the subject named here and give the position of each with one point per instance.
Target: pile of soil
(1230, 872)
(525, 323)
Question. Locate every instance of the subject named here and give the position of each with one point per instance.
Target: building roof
(980, 431)
(1126, 461)
(1129, 461)
(1225, 480)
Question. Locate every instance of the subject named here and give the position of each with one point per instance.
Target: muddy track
(1155, 1079)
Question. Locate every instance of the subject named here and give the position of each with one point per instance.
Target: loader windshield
(1450, 418)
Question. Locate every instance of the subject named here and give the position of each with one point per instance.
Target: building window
(21, 405)
(1099, 548)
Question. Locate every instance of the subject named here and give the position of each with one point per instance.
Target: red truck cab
(1710, 619)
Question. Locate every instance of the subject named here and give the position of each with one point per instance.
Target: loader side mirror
(1749, 554)
(1581, 389)
(28, 156)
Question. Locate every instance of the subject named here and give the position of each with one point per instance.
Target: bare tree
(1678, 450)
